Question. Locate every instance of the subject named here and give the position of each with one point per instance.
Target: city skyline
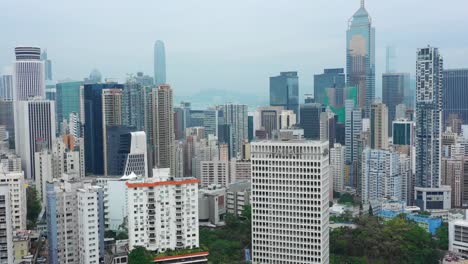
(232, 27)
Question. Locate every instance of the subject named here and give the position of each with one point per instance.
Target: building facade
(159, 63)
(290, 196)
(394, 88)
(29, 76)
(360, 57)
(429, 93)
(284, 91)
(455, 96)
(329, 79)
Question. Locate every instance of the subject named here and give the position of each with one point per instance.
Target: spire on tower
(362, 3)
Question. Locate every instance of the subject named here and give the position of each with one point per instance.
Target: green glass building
(67, 99)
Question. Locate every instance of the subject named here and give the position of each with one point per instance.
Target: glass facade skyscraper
(284, 91)
(159, 63)
(360, 57)
(94, 126)
(330, 78)
(67, 100)
(455, 94)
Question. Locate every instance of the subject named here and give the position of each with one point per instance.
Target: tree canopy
(395, 241)
(139, 255)
(33, 206)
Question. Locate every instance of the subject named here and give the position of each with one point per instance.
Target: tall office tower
(177, 228)
(75, 221)
(455, 96)
(299, 179)
(91, 224)
(337, 162)
(67, 100)
(213, 117)
(310, 120)
(6, 87)
(380, 175)
(127, 153)
(360, 57)
(34, 125)
(29, 76)
(403, 132)
(236, 116)
(328, 127)
(163, 127)
(250, 124)
(102, 104)
(47, 65)
(287, 119)
(133, 100)
(6, 228)
(17, 189)
(429, 93)
(112, 116)
(159, 63)
(329, 79)
(395, 86)
(379, 126)
(284, 91)
(353, 129)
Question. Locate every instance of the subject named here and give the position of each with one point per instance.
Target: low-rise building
(237, 197)
(211, 205)
(458, 237)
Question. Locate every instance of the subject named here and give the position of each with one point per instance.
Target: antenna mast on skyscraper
(362, 3)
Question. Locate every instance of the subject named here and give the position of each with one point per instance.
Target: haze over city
(222, 45)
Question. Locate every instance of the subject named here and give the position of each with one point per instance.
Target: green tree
(33, 206)
(139, 255)
(346, 198)
(442, 237)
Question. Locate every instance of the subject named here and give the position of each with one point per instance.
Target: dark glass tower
(284, 91)
(94, 127)
(310, 120)
(455, 94)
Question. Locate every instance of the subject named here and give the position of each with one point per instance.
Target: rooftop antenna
(362, 3)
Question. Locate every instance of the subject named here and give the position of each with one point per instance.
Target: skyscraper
(159, 63)
(29, 76)
(360, 57)
(455, 94)
(34, 126)
(67, 100)
(6, 87)
(330, 78)
(47, 65)
(353, 128)
(284, 91)
(133, 112)
(163, 126)
(102, 107)
(235, 115)
(310, 120)
(395, 86)
(379, 126)
(429, 91)
(129, 153)
(290, 199)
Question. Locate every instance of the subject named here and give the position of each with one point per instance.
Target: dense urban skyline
(231, 35)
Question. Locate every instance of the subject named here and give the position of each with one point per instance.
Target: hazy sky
(213, 44)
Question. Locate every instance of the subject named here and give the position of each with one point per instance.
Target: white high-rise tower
(29, 76)
(290, 196)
